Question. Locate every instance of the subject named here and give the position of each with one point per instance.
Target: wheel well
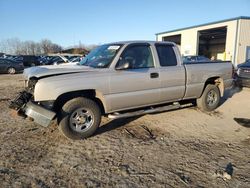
(91, 94)
(215, 81)
(9, 67)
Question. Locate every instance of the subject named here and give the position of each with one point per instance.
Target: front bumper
(25, 107)
(245, 82)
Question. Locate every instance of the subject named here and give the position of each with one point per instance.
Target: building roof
(209, 23)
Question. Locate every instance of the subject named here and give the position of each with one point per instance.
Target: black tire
(11, 70)
(76, 110)
(207, 102)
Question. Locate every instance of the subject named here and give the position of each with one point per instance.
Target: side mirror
(123, 66)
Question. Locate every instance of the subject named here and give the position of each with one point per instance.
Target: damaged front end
(26, 107)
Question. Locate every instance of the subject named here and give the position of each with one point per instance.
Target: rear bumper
(27, 108)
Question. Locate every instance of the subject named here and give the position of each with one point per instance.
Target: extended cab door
(139, 84)
(172, 73)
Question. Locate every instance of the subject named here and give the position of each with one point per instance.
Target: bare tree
(38, 48)
(45, 46)
(55, 48)
(48, 47)
(10, 45)
(3, 46)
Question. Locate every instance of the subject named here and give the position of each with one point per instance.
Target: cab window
(138, 56)
(166, 54)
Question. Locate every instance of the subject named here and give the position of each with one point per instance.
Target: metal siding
(189, 38)
(206, 24)
(244, 40)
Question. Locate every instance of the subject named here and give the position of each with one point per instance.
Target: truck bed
(198, 73)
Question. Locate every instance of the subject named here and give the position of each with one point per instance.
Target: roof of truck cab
(140, 41)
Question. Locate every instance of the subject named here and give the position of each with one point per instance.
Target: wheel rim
(212, 98)
(81, 120)
(11, 71)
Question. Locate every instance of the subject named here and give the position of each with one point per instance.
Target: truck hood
(54, 70)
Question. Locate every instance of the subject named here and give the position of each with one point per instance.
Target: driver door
(139, 84)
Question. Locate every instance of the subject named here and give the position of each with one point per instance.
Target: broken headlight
(31, 84)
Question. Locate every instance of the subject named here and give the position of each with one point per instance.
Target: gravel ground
(182, 148)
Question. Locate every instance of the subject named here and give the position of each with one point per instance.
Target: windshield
(101, 57)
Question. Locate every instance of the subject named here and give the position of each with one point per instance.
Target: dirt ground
(182, 148)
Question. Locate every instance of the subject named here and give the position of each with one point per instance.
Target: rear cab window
(166, 54)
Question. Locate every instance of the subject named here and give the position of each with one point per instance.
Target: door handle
(154, 75)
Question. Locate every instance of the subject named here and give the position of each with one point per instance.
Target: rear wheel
(11, 70)
(210, 98)
(79, 118)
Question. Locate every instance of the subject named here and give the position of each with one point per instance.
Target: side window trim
(177, 54)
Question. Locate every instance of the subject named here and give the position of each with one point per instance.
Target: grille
(244, 72)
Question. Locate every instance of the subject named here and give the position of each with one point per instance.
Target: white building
(227, 40)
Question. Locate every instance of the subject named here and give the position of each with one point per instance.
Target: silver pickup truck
(118, 80)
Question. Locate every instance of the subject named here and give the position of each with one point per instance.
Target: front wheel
(11, 70)
(210, 98)
(79, 118)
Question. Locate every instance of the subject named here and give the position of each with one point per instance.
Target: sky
(68, 22)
